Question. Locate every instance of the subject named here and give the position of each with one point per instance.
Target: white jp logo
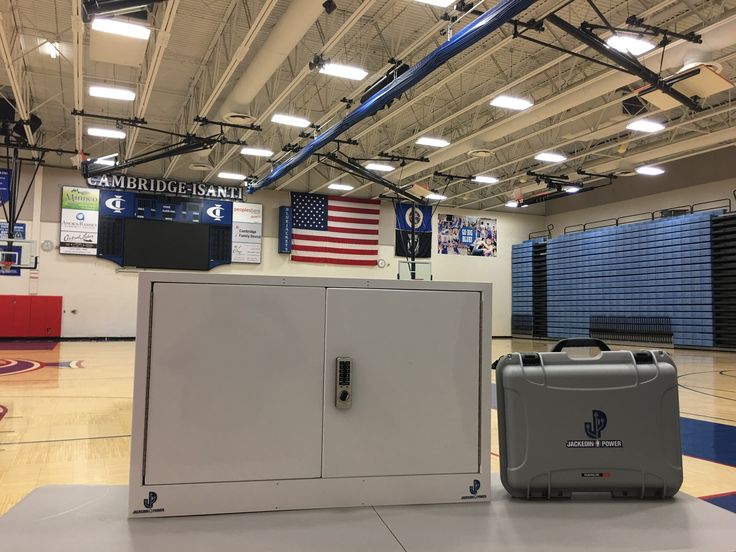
(115, 204)
(216, 212)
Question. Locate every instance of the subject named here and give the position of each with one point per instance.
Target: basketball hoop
(5, 267)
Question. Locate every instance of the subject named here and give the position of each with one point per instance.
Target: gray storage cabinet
(239, 404)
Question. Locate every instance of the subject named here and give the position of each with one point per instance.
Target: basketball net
(5, 267)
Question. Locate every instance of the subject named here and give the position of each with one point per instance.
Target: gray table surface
(82, 518)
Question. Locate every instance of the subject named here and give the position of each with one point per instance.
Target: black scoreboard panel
(164, 244)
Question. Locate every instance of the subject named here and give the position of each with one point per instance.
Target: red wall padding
(30, 316)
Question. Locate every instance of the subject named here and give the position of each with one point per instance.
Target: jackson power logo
(594, 430)
(473, 489)
(148, 504)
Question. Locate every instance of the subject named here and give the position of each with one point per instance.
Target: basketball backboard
(18, 254)
(422, 270)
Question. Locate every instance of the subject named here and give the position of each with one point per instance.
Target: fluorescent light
(344, 71)
(106, 133)
(112, 93)
(432, 142)
(380, 167)
(230, 176)
(121, 28)
(256, 152)
(629, 44)
(51, 49)
(645, 125)
(513, 204)
(106, 160)
(485, 179)
(550, 157)
(435, 197)
(649, 170)
(438, 3)
(282, 119)
(344, 187)
(524, 205)
(571, 189)
(510, 102)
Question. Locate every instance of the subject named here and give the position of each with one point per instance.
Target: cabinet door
(235, 383)
(415, 382)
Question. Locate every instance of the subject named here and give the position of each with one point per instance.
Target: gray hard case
(609, 423)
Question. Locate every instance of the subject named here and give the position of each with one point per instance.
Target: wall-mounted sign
(247, 232)
(285, 229)
(474, 236)
(79, 221)
(4, 185)
(165, 187)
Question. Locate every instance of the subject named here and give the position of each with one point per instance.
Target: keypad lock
(343, 382)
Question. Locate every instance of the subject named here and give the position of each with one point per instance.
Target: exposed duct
(286, 34)
(716, 37)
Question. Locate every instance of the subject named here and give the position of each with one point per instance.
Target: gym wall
(100, 298)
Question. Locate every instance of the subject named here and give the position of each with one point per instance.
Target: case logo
(595, 428)
(150, 501)
(217, 212)
(115, 204)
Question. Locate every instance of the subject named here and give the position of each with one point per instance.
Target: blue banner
(19, 231)
(285, 229)
(422, 218)
(4, 185)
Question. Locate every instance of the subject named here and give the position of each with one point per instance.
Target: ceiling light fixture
(344, 187)
(51, 49)
(343, 71)
(645, 125)
(513, 204)
(106, 133)
(380, 167)
(281, 119)
(435, 197)
(511, 102)
(550, 157)
(629, 44)
(115, 26)
(571, 189)
(256, 152)
(438, 3)
(106, 160)
(649, 170)
(112, 93)
(230, 176)
(432, 142)
(485, 179)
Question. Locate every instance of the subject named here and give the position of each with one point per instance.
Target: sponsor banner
(475, 236)
(219, 213)
(285, 229)
(420, 217)
(247, 221)
(79, 221)
(165, 187)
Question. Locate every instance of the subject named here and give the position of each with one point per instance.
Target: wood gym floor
(65, 416)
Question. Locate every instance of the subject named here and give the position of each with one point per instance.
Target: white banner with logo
(247, 232)
(79, 221)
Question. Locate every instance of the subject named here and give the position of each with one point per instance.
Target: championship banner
(421, 246)
(247, 232)
(4, 185)
(475, 236)
(79, 221)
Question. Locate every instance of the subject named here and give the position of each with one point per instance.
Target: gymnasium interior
(233, 309)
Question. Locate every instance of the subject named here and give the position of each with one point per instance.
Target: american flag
(334, 229)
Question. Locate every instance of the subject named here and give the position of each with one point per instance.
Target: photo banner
(474, 236)
(247, 232)
(404, 245)
(79, 221)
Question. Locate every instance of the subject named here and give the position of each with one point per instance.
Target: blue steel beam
(503, 12)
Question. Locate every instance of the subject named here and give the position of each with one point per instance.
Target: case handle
(580, 342)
